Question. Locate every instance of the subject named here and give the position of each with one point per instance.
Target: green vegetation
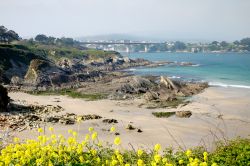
(166, 104)
(72, 93)
(58, 150)
(163, 114)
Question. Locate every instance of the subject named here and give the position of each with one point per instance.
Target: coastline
(217, 113)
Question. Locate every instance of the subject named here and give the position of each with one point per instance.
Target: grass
(163, 114)
(166, 104)
(72, 93)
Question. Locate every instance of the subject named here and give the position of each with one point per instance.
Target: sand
(218, 113)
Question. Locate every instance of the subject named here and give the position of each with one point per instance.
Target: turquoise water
(224, 69)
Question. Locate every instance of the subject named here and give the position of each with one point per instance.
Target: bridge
(128, 45)
(125, 43)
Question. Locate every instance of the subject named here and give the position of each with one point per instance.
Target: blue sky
(163, 19)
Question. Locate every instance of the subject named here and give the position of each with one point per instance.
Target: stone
(130, 127)
(4, 99)
(110, 121)
(183, 114)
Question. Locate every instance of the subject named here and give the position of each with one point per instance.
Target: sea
(218, 69)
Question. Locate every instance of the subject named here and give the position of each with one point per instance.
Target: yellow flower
(127, 164)
(74, 134)
(139, 152)
(91, 129)
(157, 158)
(16, 139)
(214, 164)
(112, 129)
(205, 154)
(157, 147)
(40, 130)
(94, 135)
(70, 131)
(188, 153)
(87, 137)
(140, 162)
(117, 141)
(81, 159)
(205, 158)
(164, 160)
(181, 161)
(51, 129)
(79, 119)
(203, 164)
(114, 162)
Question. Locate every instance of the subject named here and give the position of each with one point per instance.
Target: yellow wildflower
(181, 162)
(139, 152)
(112, 129)
(40, 130)
(140, 162)
(157, 158)
(117, 141)
(94, 136)
(51, 129)
(188, 153)
(157, 147)
(91, 129)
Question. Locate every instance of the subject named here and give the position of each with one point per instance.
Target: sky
(158, 19)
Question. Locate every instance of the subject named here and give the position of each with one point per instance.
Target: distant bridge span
(124, 43)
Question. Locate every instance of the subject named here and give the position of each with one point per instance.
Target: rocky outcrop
(4, 99)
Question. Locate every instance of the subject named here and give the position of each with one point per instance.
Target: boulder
(150, 96)
(183, 114)
(15, 80)
(4, 99)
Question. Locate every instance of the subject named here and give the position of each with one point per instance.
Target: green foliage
(72, 93)
(235, 152)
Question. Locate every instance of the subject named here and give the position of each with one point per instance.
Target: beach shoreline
(217, 113)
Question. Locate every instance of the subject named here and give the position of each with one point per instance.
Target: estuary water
(219, 69)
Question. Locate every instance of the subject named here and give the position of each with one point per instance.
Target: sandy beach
(217, 113)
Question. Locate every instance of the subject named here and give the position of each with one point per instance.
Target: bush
(57, 150)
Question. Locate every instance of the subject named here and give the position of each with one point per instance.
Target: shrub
(57, 150)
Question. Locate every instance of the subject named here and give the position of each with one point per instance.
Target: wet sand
(218, 113)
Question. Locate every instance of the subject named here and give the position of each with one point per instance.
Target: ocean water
(219, 69)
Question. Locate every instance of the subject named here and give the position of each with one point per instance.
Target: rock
(4, 99)
(116, 133)
(67, 121)
(110, 121)
(130, 127)
(15, 80)
(139, 130)
(169, 84)
(183, 114)
(52, 119)
(149, 96)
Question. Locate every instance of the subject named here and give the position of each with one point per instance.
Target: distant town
(171, 46)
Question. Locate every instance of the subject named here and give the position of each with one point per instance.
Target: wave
(196, 65)
(227, 85)
(132, 69)
(174, 77)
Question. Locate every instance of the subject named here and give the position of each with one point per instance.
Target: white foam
(132, 69)
(227, 85)
(173, 77)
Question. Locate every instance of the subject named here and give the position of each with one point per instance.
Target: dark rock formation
(4, 99)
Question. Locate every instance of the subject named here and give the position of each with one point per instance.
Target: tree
(224, 44)
(41, 38)
(245, 41)
(215, 43)
(8, 35)
(179, 45)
